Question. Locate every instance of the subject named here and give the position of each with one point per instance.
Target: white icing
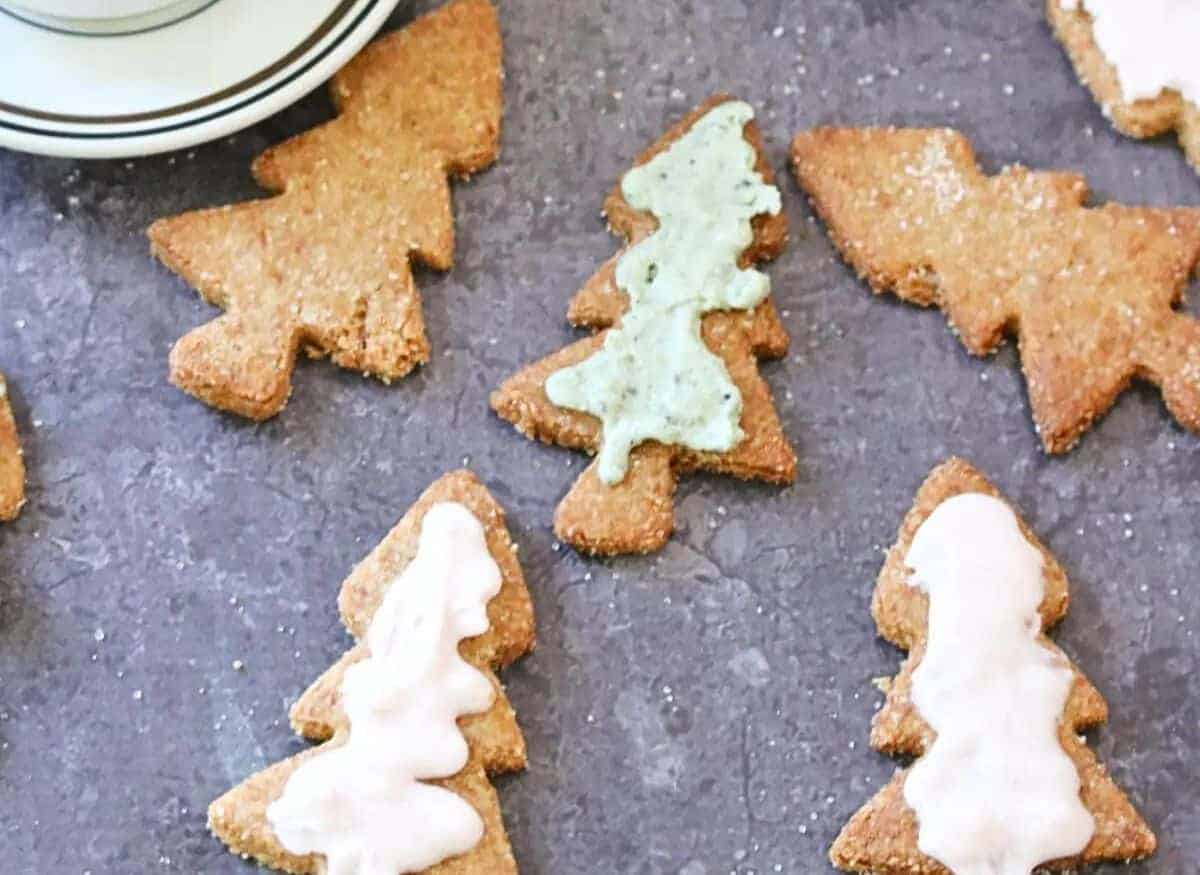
(363, 805)
(654, 378)
(995, 794)
(1153, 44)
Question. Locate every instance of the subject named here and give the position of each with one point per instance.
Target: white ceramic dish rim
(69, 12)
(191, 128)
(93, 8)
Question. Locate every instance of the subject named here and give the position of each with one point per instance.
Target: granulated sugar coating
(1088, 291)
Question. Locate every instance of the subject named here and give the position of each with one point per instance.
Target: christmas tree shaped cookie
(413, 718)
(990, 709)
(669, 382)
(12, 467)
(1089, 292)
(324, 265)
(1139, 60)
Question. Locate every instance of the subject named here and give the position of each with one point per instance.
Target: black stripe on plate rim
(229, 110)
(326, 25)
(41, 25)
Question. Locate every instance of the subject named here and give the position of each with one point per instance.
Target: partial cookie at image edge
(1141, 119)
(12, 463)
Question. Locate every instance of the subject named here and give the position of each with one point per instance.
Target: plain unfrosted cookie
(239, 818)
(881, 837)
(637, 514)
(324, 265)
(1169, 111)
(1089, 292)
(12, 466)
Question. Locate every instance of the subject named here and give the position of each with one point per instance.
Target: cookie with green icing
(669, 381)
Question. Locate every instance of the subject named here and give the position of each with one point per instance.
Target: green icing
(654, 378)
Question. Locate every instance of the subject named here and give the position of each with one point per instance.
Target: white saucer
(221, 68)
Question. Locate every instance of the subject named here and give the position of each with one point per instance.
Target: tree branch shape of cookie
(324, 265)
(12, 465)
(1166, 45)
(616, 389)
(1089, 292)
(402, 777)
(983, 670)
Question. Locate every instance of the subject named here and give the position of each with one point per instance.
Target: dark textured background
(703, 711)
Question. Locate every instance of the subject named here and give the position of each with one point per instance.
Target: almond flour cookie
(987, 706)
(413, 718)
(1138, 61)
(669, 382)
(12, 467)
(1089, 292)
(324, 265)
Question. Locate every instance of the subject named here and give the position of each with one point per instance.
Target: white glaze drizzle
(1151, 43)
(363, 805)
(995, 794)
(654, 378)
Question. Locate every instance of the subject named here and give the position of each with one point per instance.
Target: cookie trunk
(236, 366)
(636, 515)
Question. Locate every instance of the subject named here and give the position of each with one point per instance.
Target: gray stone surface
(702, 711)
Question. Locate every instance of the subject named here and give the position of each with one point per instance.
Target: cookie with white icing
(12, 466)
(252, 820)
(1147, 81)
(1095, 821)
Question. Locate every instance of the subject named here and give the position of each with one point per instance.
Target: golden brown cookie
(1140, 118)
(12, 466)
(1089, 292)
(881, 837)
(239, 817)
(637, 515)
(324, 265)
